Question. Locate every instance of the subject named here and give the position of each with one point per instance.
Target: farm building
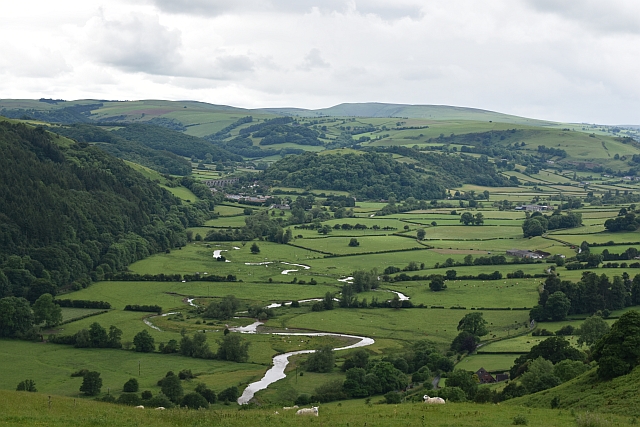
(484, 376)
(520, 253)
(220, 182)
(533, 208)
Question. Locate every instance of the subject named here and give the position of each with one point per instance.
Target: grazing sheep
(286, 408)
(308, 411)
(139, 407)
(434, 400)
(160, 408)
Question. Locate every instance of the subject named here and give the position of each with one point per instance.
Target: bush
(453, 394)
(108, 399)
(207, 393)
(131, 386)
(393, 397)
(589, 419)
(194, 401)
(566, 330)
(146, 395)
(230, 394)
(130, 399)
(186, 374)
(160, 400)
(27, 385)
(520, 420)
(303, 399)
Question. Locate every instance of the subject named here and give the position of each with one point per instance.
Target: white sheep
(434, 400)
(286, 408)
(308, 411)
(160, 408)
(139, 407)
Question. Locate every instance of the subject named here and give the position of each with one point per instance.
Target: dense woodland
(369, 176)
(70, 214)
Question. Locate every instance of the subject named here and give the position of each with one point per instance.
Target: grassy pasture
(182, 193)
(20, 409)
(70, 313)
(340, 245)
(490, 362)
(474, 293)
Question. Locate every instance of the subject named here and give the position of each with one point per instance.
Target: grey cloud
(139, 44)
(384, 9)
(313, 60)
(609, 16)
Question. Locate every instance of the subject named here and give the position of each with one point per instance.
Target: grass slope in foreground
(26, 409)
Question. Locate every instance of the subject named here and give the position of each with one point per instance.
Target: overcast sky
(564, 60)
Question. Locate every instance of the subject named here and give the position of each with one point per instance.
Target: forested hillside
(153, 146)
(369, 175)
(71, 213)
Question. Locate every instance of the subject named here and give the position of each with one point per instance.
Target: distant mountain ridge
(434, 112)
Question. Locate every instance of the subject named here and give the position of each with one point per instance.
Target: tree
(144, 342)
(194, 401)
(569, 369)
(618, 352)
(91, 383)
(27, 385)
(354, 384)
(437, 283)
(478, 219)
(592, 330)
(357, 359)
(473, 323)
(16, 318)
(233, 349)
(115, 335)
(558, 306)
(255, 249)
(223, 310)
(539, 376)
(421, 233)
(465, 341)
(45, 310)
(172, 388)
(354, 242)
(465, 380)
(206, 392)
(532, 227)
(230, 394)
(322, 360)
(327, 301)
(98, 337)
(131, 386)
(467, 218)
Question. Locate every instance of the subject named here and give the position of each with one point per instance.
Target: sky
(572, 60)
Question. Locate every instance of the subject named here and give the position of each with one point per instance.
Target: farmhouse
(533, 208)
(282, 207)
(484, 376)
(520, 253)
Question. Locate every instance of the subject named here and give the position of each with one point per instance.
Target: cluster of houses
(534, 208)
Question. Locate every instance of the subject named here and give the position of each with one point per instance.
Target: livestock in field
(433, 400)
(139, 407)
(308, 411)
(286, 408)
(160, 408)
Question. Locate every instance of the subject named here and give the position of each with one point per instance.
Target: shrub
(207, 393)
(146, 395)
(589, 419)
(454, 394)
(130, 399)
(230, 394)
(393, 397)
(131, 386)
(303, 399)
(108, 398)
(520, 420)
(186, 374)
(194, 401)
(27, 385)
(160, 400)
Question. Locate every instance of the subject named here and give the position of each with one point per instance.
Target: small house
(484, 376)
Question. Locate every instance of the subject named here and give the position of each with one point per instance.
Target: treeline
(224, 132)
(591, 294)
(73, 114)
(259, 225)
(146, 308)
(243, 146)
(538, 223)
(450, 275)
(94, 337)
(72, 214)
(628, 222)
(369, 176)
(80, 303)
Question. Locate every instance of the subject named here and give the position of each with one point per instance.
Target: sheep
(434, 400)
(139, 407)
(286, 408)
(308, 411)
(160, 408)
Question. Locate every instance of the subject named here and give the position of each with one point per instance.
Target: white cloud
(312, 60)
